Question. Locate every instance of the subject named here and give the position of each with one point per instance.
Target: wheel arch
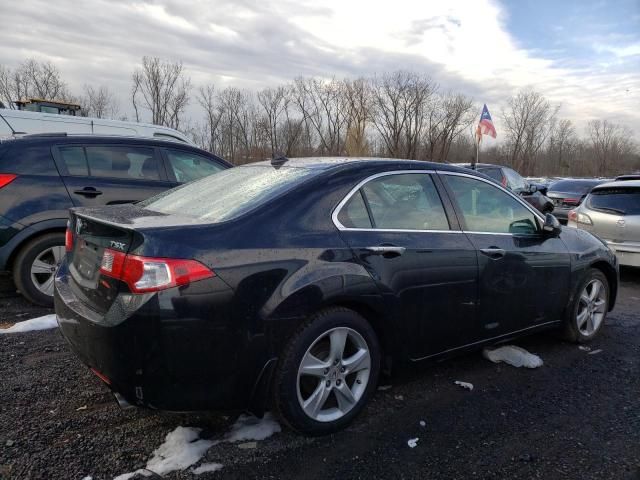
(18, 242)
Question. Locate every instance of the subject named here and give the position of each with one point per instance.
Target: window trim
(354, 190)
(509, 192)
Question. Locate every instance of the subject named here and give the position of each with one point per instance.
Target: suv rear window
(574, 186)
(229, 193)
(623, 201)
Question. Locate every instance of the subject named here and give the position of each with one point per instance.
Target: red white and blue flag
(485, 126)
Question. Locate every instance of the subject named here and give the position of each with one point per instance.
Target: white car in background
(612, 211)
(25, 122)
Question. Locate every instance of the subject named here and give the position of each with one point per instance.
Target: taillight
(578, 217)
(6, 179)
(572, 216)
(146, 274)
(571, 201)
(68, 239)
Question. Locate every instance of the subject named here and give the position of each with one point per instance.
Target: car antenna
(278, 160)
(13, 132)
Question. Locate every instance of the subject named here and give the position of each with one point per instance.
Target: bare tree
(450, 114)
(32, 79)
(528, 120)
(99, 102)
(399, 102)
(163, 89)
(274, 103)
(611, 143)
(357, 94)
(211, 135)
(562, 148)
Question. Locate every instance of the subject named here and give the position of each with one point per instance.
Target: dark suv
(42, 176)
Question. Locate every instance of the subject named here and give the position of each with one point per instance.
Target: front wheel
(327, 372)
(589, 308)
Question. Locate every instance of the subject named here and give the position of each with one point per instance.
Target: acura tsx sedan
(290, 284)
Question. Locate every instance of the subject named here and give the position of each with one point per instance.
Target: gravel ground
(577, 417)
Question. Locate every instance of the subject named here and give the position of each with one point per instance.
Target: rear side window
(29, 160)
(396, 202)
(230, 193)
(74, 160)
(622, 201)
(132, 163)
(187, 166)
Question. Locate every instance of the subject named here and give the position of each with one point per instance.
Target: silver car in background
(612, 212)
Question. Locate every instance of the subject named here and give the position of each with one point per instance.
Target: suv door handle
(88, 192)
(387, 251)
(494, 253)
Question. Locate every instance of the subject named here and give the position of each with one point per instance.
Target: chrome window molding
(339, 226)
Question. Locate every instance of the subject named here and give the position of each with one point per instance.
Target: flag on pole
(485, 125)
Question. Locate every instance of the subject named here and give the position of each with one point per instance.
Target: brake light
(147, 274)
(101, 376)
(6, 179)
(68, 239)
(572, 216)
(571, 201)
(578, 217)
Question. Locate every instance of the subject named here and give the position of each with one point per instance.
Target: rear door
(426, 268)
(110, 174)
(524, 273)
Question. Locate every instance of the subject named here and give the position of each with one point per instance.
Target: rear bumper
(627, 253)
(179, 349)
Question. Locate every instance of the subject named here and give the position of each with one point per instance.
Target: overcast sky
(582, 54)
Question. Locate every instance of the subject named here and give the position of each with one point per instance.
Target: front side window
(396, 202)
(131, 163)
(486, 208)
(189, 166)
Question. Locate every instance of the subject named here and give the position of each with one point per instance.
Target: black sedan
(290, 285)
(568, 193)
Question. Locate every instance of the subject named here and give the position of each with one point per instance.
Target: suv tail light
(577, 217)
(6, 179)
(147, 274)
(68, 239)
(571, 201)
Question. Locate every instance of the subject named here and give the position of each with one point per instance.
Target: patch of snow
(88, 477)
(382, 388)
(467, 385)
(248, 427)
(595, 352)
(182, 448)
(413, 442)
(207, 467)
(584, 348)
(423, 423)
(126, 476)
(398, 397)
(40, 323)
(514, 356)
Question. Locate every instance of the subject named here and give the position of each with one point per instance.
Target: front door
(425, 267)
(524, 273)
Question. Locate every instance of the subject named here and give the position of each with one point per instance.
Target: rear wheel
(35, 266)
(327, 372)
(589, 309)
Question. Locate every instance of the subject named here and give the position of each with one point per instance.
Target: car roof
(481, 165)
(618, 184)
(330, 163)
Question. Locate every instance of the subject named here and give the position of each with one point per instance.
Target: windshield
(515, 181)
(229, 193)
(623, 201)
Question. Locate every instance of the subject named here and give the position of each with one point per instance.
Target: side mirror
(551, 225)
(533, 188)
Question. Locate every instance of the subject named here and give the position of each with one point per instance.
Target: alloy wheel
(333, 374)
(44, 267)
(592, 307)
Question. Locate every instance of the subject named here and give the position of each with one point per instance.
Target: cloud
(463, 45)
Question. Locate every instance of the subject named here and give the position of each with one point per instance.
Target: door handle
(494, 253)
(388, 251)
(88, 192)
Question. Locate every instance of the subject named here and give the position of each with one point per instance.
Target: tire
(345, 378)
(594, 309)
(43, 254)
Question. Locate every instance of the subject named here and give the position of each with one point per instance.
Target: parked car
(41, 177)
(612, 211)
(568, 194)
(21, 122)
(289, 284)
(628, 176)
(507, 177)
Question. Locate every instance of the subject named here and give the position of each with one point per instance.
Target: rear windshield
(623, 201)
(229, 193)
(573, 186)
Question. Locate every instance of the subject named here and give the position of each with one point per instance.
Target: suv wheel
(35, 267)
(327, 372)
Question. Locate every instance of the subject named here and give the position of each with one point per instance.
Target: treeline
(400, 114)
